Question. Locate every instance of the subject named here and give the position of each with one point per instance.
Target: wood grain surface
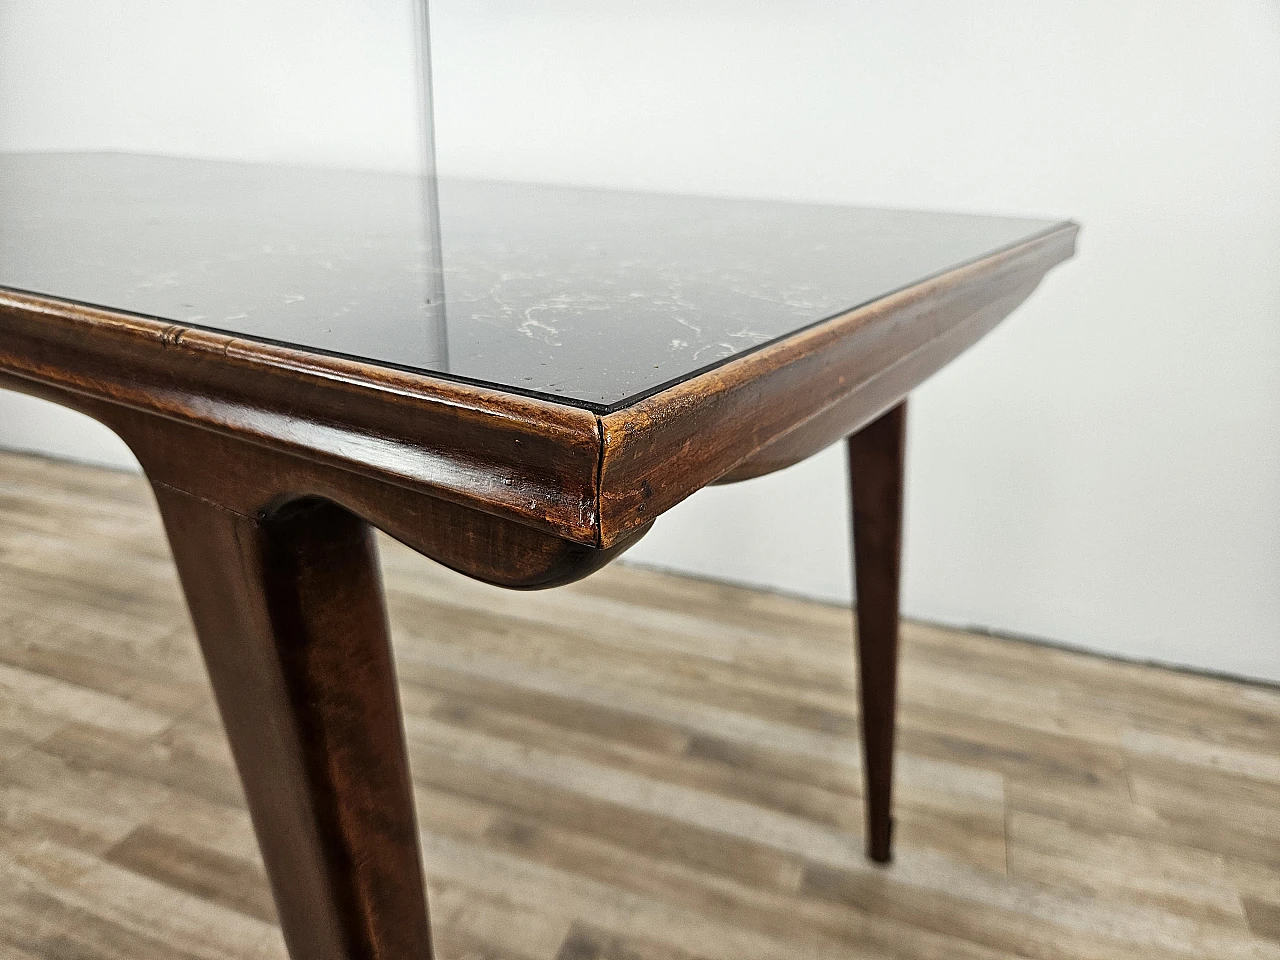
(635, 767)
(562, 471)
(290, 616)
(774, 407)
(877, 477)
(520, 459)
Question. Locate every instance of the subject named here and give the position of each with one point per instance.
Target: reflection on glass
(328, 92)
(437, 338)
(588, 296)
(338, 238)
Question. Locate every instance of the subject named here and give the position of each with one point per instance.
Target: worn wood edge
(551, 466)
(527, 460)
(874, 396)
(692, 423)
(258, 484)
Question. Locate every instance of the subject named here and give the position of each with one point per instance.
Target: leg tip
(880, 857)
(880, 845)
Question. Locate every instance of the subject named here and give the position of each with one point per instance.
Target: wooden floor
(639, 767)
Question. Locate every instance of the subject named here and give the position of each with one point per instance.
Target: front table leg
(876, 467)
(290, 616)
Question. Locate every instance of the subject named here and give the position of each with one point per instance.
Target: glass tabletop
(590, 297)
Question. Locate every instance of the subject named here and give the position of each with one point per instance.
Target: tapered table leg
(290, 616)
(876, 468)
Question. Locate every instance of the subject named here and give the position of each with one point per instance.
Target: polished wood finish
(289, 612)
(252, 480)
(512, 457)
(857, 407)
(558, 469)
(787, 401)
(877, 457)
(634, 766)
(268, 463)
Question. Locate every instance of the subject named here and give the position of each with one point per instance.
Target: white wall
(1103, 471)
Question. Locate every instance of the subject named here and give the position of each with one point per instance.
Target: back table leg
(290, 616)
(876, 468)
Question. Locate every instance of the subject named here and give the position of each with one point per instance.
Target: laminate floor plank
(637, 767)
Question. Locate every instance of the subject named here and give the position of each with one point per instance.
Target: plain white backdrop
(1103, 471)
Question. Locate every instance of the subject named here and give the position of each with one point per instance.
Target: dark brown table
(269, 343)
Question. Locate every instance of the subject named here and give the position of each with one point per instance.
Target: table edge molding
(667, 446)
(523, 459)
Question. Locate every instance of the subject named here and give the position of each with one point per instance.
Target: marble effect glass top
(590, 297)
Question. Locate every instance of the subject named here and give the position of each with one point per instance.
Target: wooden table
(264, 340)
